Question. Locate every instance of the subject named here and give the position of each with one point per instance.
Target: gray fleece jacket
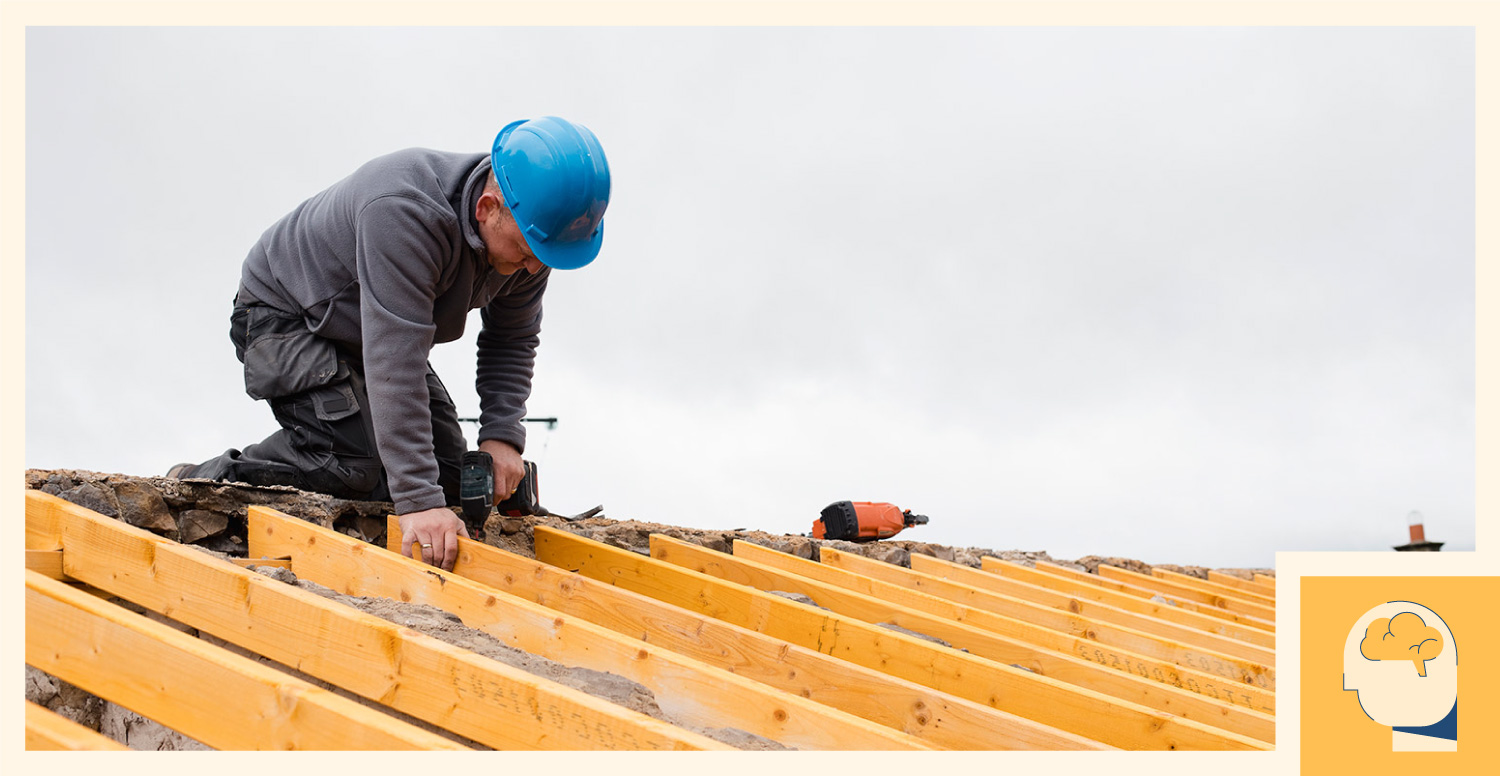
(388, 262)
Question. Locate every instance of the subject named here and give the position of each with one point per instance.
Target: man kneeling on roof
(341, 301)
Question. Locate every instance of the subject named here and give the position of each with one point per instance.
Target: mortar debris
(897, 628)
(449, 628)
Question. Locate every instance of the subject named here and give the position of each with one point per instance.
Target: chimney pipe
(1414, 526)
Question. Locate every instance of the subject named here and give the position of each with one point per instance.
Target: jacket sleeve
(512, 325)
(399, 254)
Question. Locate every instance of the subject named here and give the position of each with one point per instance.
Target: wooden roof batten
(453, 688)
(1028, 660)
(1088, 713)
(945, 720)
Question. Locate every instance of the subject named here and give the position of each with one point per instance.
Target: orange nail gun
(862, 521)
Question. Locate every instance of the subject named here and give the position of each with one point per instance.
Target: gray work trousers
(316, 389)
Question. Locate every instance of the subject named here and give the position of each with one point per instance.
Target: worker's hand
(437, 530)
(508, 467)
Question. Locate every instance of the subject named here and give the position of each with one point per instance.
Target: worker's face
(507, 248)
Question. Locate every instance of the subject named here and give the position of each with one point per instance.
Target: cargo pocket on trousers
(283, 363)
(338, 406)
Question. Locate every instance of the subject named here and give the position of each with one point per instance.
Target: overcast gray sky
(1188, 295)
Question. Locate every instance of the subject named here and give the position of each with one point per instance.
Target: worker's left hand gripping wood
(202, 691)
(453, 688)
(1045, 700)
(694, 693)
(48, 731)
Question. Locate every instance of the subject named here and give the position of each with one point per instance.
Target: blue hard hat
(555, 181)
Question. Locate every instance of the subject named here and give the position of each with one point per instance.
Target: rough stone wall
(213, 515)
(201, 512)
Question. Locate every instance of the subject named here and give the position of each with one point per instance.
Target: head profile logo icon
(1402, 661)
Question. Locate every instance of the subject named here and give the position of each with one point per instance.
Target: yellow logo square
(1399, 673)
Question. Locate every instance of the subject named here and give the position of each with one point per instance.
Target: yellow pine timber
(1168, 587)
(983, 633)
(270, 563)
(48, 563)
(994, 684)
(1129, 603)
(1267, 580)
(42, 529)
(693, 692)
(451, 687)
(1217, 655)
(1230, 580)
(1137, 591)
(1215, 588)
(979, 607)
(202, 691)
(942, 720)
(48, 731)
(1095, 614)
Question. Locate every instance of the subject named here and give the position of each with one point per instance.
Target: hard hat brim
(567, 255)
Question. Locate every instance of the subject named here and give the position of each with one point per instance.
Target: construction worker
(341, 301)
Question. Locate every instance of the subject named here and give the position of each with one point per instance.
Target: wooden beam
(52, 732)
(981, 632)
(979, 607)
(1141, 606)
(42, 529)
(1020, 692)
(1267, 580)
(693, 692)
(1189, 647)
(1192, 594)
(48, 563)
(1214, 588)
(202, 691)
(454, 688)
(1094, 580)
(270, 563)
(943, 720)
(1232, 581)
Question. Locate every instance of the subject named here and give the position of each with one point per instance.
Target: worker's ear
(486, 206)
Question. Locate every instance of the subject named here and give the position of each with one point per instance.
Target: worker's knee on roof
(353, 479)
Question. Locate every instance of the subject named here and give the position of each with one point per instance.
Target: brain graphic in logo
(1403, 637)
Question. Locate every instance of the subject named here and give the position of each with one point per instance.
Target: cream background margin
(16, 16)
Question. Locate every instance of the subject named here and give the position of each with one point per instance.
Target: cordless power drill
(476, 491)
